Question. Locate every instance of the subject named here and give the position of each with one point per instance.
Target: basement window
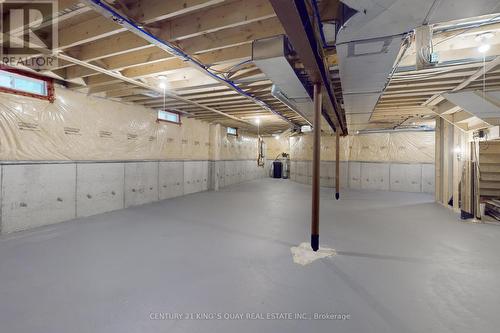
(169, 116)
(20, 83)
(232, 131)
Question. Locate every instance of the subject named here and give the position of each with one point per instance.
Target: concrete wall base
(36, 194)
(404, 177)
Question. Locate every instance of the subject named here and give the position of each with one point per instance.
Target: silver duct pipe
(280, 96)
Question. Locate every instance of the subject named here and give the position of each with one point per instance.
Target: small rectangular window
(172, 117)
(232, 131)
(13, 81)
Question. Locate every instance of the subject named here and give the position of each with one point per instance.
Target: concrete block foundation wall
(406, 177)
(42, 193)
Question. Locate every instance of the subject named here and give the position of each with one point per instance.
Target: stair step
(490, 167)
(489, 148)
(490, 192)
(490, 176)
(489, 158)
(489, 185)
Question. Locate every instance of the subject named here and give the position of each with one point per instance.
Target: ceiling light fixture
(484, 48)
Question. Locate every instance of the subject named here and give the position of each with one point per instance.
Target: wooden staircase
(489, 164)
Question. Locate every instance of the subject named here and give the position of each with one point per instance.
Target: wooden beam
(214, 19)
(146, 86)
(99, 27)
(157, 40)
(480, 72)
(147, 12)
(234, 53)
(209, 58)
(231, 14)
(87, 31)
(213, 41)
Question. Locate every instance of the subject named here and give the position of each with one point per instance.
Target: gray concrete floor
(405, 264)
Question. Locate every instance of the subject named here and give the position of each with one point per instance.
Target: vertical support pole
(447, 150)
(315, 174)
(438, 161)
(456, 168)
(337, 165)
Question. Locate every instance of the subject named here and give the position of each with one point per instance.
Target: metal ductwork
(300, 108)
(275, 58)
(369, 43)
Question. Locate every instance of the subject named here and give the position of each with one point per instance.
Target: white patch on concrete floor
(304, 255)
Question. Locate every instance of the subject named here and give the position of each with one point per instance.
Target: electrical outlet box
(434, 58)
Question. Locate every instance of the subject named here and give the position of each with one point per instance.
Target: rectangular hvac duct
(274, 57)
(368, 44)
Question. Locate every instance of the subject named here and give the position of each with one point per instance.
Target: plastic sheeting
(79, 127)
(301, 147)
(411, 147)
(276, 146)
(405, 147)
(244, 146)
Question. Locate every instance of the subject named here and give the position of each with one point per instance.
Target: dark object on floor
(315, 242)
(466, 215)
(277, 168)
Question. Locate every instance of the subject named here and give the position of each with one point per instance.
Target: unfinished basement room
(250, 166)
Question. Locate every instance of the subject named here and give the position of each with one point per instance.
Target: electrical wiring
(108, 11)
(228, 73)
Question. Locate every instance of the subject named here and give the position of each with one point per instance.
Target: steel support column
(337, 165)
(315, 174)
